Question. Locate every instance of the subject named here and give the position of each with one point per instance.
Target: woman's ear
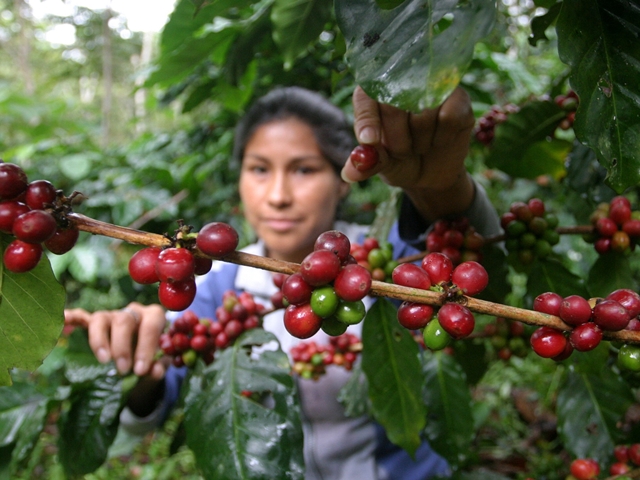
(343, 189)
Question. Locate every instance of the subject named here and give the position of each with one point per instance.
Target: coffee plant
(440, 315)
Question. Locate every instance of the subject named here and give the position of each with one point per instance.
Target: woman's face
(289, 191)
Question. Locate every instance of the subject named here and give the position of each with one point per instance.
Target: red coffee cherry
(300, 320)
(20, 257)
(13, 181)
(320, 267)
(610, 315)
(457, 320)
(353, 283)
(548, 302)
(296, 290)
(470, 277)
(35, 226)
(63, 240)
(175, 265)
(40, 194)
(142, 265)
(364, 157)
(438, 266)
(575, 310)
(585, 469)
(336, 242)
(414, 316)
(217, 239)
(9, 211)
(548, 342)
(177, 296)
(411, 275)
(585, 337)
(628, 299)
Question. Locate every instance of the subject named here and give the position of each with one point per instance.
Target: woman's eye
(258, 169)
(305, 170)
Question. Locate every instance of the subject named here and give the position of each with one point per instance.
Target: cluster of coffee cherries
(588, 319)
(568, 103)
(175, 267)
(327, 291)
(375, 257)
(29, 211)
(530, 230)
(453, 319)
(508, 338)
(457, 239)
(615, 226)
(190, 337)
(484, 131)
(310, 360)
(626, 458)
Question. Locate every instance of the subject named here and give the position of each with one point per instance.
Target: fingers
(129, 337)
(366, 118)
(151, 327)
(455, 119)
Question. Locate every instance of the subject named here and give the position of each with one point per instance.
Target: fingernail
(103, 355)
(344, 177)
(122, 364)
(140, 367)
(368, 135)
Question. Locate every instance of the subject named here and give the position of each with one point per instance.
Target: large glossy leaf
(599, 40)
(590, 404)
(549, 275)
(31, 316)
(189, 39)
(414, 55)
(523, 147)
(234, 436)
(608, 273)
(450, 421)
(17, 404)
(89, 427)
(391, 362)
(296, 23)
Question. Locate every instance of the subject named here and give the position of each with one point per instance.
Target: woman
(292, 146)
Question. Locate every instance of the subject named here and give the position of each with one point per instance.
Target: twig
(380, 289)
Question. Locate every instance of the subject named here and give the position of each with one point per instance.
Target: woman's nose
(280, 191)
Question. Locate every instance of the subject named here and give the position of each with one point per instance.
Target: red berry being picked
(585, 469)
(364, 157)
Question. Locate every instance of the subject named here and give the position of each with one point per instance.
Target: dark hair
(331, 128)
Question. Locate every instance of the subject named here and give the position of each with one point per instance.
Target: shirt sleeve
(413, 229)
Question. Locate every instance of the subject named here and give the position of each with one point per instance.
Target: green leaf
(89, 427)
(541, 23)
(234, 436)
(31, 316)
(549, 275)
(608, 273)
(388, 4)
(589, 407)
(391, 362)
(413, 56)
(17, 404)
(450, 421)
(296, 24)
(522, 145)
(598, 39)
